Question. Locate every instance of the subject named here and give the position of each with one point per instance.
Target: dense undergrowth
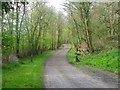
(25, 74)
(107, 60)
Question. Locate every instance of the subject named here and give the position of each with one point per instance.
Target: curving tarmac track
(60, 74)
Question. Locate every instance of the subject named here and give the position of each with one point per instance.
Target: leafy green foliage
(7, 43)
(33, 33)
(108, 61)
(105, 60)
(28, 30)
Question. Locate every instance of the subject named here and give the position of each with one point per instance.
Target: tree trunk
(59, 31)
(17, 30)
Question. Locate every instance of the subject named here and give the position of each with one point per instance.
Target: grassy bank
(25, 74)
(105, 60)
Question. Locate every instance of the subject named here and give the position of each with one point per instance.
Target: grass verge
(104, 60)
(25, 74)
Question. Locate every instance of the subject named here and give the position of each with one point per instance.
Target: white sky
(57, 4)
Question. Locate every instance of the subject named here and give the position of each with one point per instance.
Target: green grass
(25, 74)
(71, 54)
(104, 60)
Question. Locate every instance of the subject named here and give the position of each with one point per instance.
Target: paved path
(60, 74)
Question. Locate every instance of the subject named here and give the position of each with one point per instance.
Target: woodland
(32, 31)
